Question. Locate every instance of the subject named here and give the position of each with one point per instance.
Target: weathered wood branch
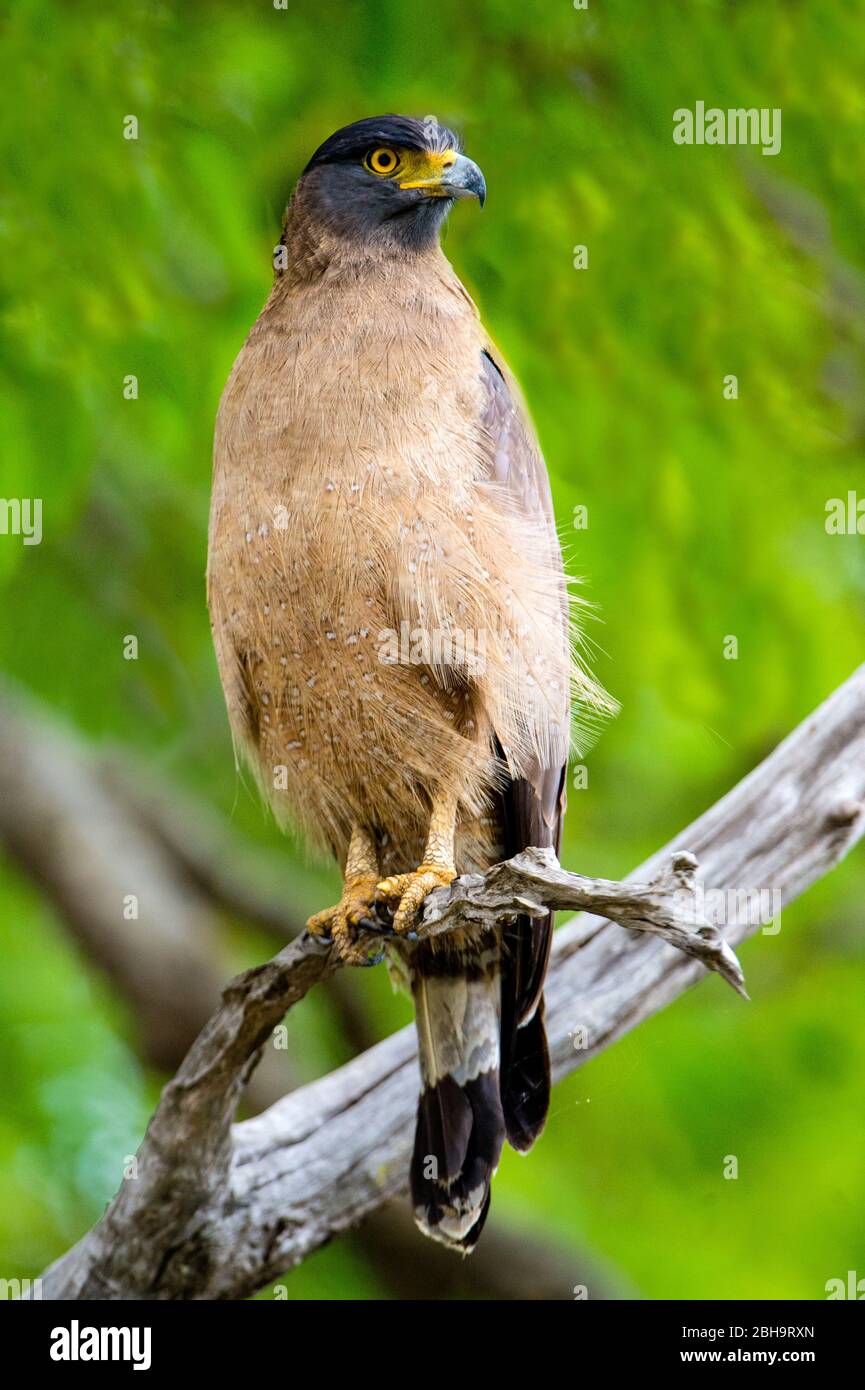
(218, 1210)
(533, 881)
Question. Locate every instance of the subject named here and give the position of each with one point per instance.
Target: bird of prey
(391, 620)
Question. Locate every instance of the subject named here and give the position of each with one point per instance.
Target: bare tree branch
(217, 1211)
(533, 881)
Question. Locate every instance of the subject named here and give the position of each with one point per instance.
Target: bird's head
(389, 180)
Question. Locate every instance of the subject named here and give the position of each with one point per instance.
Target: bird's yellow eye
(382, 161)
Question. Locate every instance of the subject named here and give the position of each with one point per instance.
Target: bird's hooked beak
(455, 177)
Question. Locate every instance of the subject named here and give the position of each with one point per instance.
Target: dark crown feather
(352, 141)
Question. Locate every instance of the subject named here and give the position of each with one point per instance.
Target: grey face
(389, 180)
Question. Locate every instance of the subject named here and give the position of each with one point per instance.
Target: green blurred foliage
(706, 518)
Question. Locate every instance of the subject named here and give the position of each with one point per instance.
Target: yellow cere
(414, 168)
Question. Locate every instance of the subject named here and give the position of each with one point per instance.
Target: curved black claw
(376, 926)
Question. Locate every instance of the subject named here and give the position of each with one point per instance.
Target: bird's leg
(357, 902)
(436, 871)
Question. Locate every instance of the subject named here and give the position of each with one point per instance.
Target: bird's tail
(460, 1123)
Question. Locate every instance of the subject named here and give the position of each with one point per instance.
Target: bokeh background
(706, 519)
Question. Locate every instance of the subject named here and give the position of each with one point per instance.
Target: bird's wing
(516, 463)
(532, 806)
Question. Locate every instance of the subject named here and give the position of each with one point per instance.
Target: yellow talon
(410, 890)
(341, 922)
